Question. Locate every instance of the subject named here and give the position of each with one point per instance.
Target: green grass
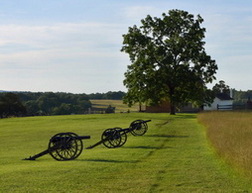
(173, 156)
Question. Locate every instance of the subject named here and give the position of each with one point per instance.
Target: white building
(222, 101)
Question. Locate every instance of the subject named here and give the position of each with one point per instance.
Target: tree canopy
(10, 105)
(221, 87)
(168, 60)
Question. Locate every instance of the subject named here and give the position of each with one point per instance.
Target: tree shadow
(167, 136)
(164, 123)
(145, 147)
(107, 161)
(185, 116)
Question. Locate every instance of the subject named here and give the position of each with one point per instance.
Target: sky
(74, 45)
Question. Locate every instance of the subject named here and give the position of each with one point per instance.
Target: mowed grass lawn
(173, 156)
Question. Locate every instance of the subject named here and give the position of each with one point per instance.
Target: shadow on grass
(185, 116)
(145, 147)
(108, 161)
(167, 136)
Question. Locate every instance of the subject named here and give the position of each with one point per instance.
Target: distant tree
(63, 109)
(96, 96)
(50, 103)
(10, 105)
(241, 97)
(32, 107)
(221, 87)
(114, 95)
(47, 101)
(168, 60)
(117, 95)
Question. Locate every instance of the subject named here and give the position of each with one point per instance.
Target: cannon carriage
(117, 137)
(69, 145)
(63, 147)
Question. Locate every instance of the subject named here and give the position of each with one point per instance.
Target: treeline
(10, 105)
(49, 103)
(241, 97)
(109, 95)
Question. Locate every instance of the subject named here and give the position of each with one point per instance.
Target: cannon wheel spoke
(111, 137)
(123, 138)
(138, 127)
(65, 146)
(120, 137)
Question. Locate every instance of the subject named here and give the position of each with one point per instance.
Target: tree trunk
(140, 107)
(172, 109)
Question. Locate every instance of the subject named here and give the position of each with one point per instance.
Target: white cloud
(65, 38)
(54, 35)
(58, 53)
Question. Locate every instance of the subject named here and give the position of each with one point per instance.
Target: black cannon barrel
(139, 127)
(69, 138)
(142, 121)
(83, 137)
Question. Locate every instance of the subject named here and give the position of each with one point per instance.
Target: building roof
(223, 96)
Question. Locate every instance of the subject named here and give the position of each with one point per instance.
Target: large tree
(168, 60)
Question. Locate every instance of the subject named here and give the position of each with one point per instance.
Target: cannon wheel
(138, 127)
(65, 146)
(123, 138)
(112, 137)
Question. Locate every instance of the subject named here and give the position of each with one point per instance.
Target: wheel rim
(123, 138)
(65, 146)
(111, 137)
(138, 128)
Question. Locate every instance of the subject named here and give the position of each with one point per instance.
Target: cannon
(117, 137)
(63, 147)
(68, 146)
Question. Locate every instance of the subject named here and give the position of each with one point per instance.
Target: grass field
(231, 134)
(120, 107)
(173, 156)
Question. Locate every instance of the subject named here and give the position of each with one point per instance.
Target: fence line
(234, 107)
